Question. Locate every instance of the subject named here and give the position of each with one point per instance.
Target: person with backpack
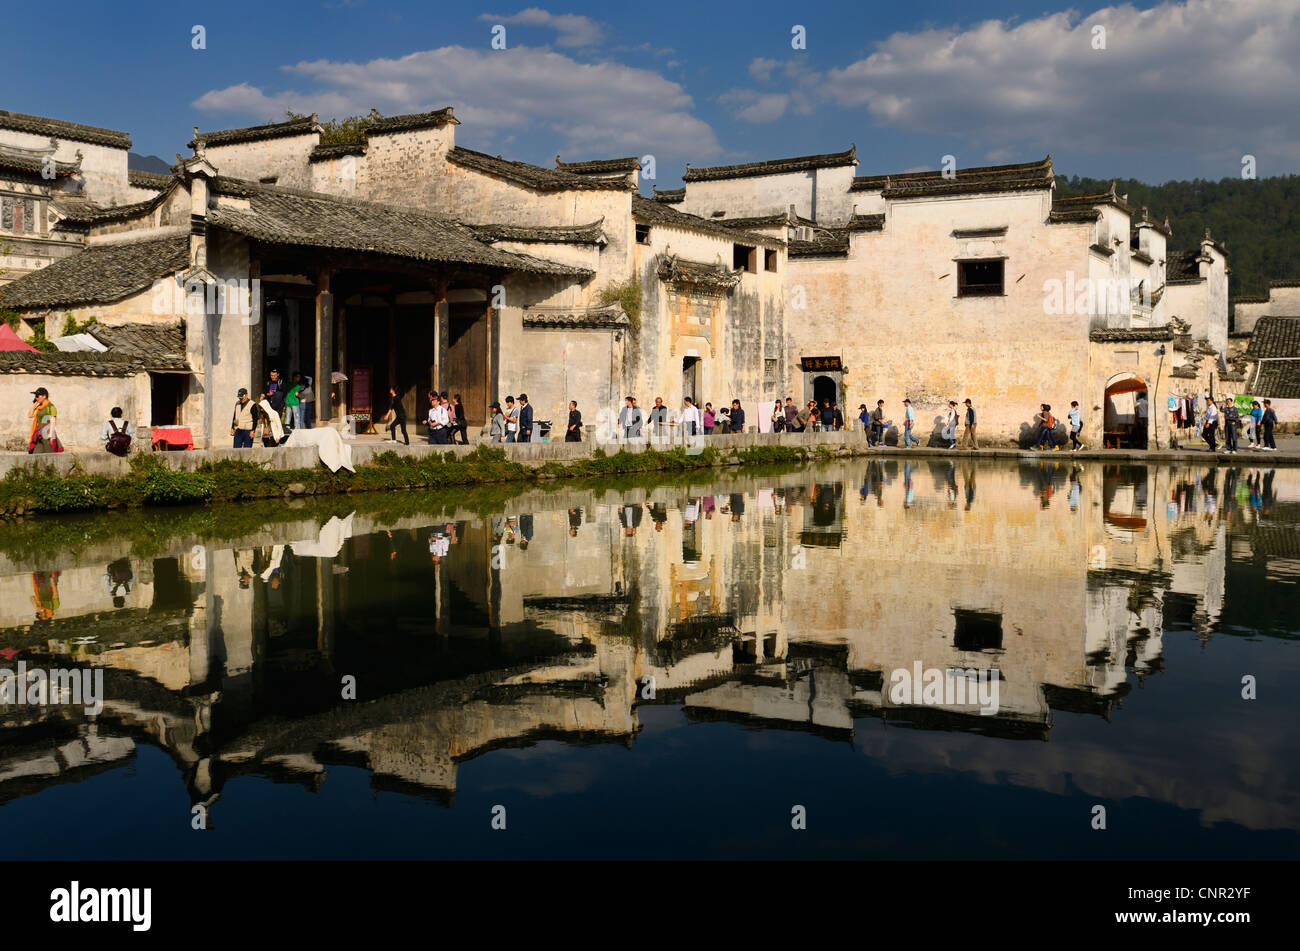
(243, 421)
(1045, 437)
(116, 435)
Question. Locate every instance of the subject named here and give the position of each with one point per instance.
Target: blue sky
(1180, 89)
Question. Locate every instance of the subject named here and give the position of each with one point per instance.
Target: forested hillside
(1259, 218)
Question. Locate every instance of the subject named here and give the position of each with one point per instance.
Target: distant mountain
(1258, 218)
(147, 163)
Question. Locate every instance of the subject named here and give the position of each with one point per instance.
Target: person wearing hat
(43, 415)
(243, 421)
(525, 419)
(909, 424)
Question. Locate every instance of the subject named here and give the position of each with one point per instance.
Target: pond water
(756, 664)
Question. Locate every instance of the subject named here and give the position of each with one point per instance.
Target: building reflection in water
(782, 602)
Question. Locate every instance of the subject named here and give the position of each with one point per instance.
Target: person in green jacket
(293, 402)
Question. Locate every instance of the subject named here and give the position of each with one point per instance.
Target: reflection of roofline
(1002, 726)
(717, 715)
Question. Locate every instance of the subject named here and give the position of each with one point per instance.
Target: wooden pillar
(442, 317)
(256, 329)
(324, 342)
(392, 345)
(489, 391)
(325, 388)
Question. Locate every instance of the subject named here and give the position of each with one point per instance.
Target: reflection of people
(629, 517)
(575, 522)
(45, 593)
(118, 579)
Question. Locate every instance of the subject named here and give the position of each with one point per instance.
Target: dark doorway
(690, 378)
(824, 389)
(166, 393)
(977, 630)
(417, 345)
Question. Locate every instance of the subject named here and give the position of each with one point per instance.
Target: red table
(172, 437)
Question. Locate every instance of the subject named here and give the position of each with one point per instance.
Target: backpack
(1051, 421)
(119, 443)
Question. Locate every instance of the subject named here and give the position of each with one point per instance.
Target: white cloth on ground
(333, 451)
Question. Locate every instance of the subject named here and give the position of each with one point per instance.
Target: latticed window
(17, 214)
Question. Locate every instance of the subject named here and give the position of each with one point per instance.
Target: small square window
(744, 258)
(979, 278)
(642, 234)
(769, 260)
(977, 630)
(769, 367)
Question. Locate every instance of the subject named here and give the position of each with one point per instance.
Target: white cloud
(571, 29)
(1205, 77)
(592, 109)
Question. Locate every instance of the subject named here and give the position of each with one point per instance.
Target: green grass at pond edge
(165, 503)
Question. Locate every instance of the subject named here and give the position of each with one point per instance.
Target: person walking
(439, 430)
(1210, 424)
(1045, 435)
(497, 424)
(968, 435)
(459, 423)
(690, 417)
(1076, 426)
(512, 420)
(243, 421)
(525, 419)
(292, 403)
(710, 419)
(573, 432)
(1268, 421)
(43, 415)
(307, 401)
(864, 417)
(909, 425)
(1256, 425)
(950, 425)
(397, 416)
(1231, 423)
(877, 437)
(737, 424)
(116, 434)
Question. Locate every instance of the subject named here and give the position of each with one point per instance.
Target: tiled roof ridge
(590, 233)
(24, 161)
(532, 176)
(253, 133)
(411, 120)
(89, 214)
(669, 196)
(99, 273)
(600, 166)
(142, 179)
(658, 212)
(779, 166)
(60, 128)
(867, 182)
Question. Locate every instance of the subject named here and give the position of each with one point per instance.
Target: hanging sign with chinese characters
(812, 364)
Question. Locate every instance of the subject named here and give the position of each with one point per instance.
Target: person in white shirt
(690, 417)
(438, 421)
(1210, 423)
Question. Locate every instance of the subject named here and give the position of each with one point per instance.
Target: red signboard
(361, 401)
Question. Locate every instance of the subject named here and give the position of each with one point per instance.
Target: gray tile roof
(285, 216)
(304, 126)
(676, 271)
(651, 212)
(322, 153)
(1110, 197)
(764, 221)
(40, 125)
(669, 195)
(1181, 267)
(100, 274)
(1275, 337)
(148, 179)
(555, 234)
(614, 166)
(21, 160)
(608, 316)
(867, 223)
(83, 215)
(830, 243)
(79, 363)
(155, 346)
(133, 348)
(990, 178)
(1295, 283)
(1131, 335)
(800, 163)
(411, 120)
(533, 176)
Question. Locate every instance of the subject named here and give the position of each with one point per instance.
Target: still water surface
(669, 669)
